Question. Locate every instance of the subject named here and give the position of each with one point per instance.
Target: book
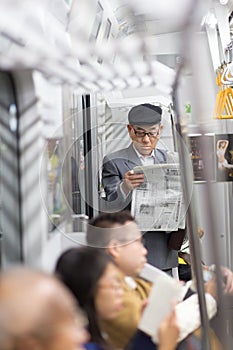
(165, 291)
(150, 272)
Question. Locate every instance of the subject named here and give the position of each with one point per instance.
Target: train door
(10, 207)
(23, 220)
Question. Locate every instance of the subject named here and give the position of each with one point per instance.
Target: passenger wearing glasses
(119, 180)
(92, 277)
(119, 234)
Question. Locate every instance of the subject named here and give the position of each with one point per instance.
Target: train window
(63, 155)
(71, 193)
(65, 199)
(50, 109)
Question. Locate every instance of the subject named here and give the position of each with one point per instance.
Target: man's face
(145, 137)
(131, 253)
(68, 326)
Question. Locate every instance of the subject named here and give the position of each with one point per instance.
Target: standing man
(119, 180)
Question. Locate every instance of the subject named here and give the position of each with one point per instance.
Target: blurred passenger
(93, 278)
(185, 269)
(38, 313)
(119, 234)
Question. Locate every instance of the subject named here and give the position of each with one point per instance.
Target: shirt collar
(130, 282)
(141, 156)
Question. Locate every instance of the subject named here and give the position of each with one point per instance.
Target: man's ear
(161, 128)
(113, 248)
(160, 131)
(129, 127)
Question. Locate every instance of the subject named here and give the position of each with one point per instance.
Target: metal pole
(189, 200)
(209, 202)
(192, 231)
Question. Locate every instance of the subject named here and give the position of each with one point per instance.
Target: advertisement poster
(224, 157)
(197, 144)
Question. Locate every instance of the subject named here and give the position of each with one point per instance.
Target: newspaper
(157, 204)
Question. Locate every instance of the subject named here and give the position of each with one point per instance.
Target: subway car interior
(70, 70)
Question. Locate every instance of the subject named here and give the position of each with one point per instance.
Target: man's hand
(131, 180)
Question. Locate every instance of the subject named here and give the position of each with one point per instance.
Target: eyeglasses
(150, 134)
(140, 240)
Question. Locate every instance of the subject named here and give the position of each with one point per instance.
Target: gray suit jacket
(114, 168)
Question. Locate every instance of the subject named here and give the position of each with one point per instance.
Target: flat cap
(145, 114)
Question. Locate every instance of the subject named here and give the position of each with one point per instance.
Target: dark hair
(109, 219)
(99, 232)
(80, 270)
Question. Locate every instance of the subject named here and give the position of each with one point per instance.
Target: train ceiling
(107, 45)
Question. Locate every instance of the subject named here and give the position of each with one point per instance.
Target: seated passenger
(120, 235)
(38, 313)
(94, 280)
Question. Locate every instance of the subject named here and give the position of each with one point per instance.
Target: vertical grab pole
(188, 31)
(210, 205)
(192, 232)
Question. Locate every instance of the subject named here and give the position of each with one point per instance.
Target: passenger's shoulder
(122, 153)
(92, 346)
(143, 287)
(161, 150)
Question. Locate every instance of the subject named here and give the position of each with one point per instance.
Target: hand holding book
(168, 332)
